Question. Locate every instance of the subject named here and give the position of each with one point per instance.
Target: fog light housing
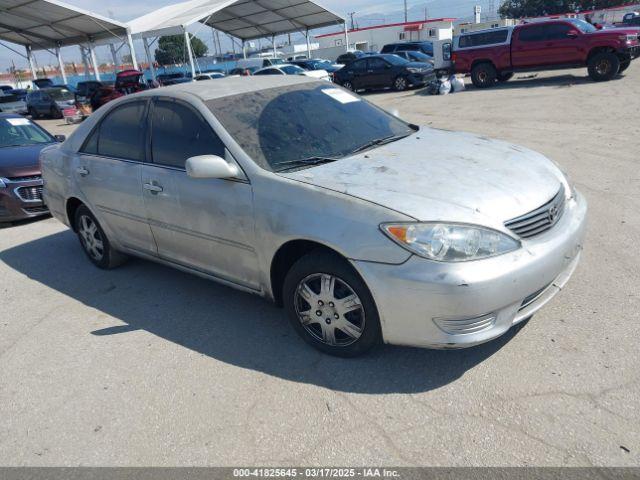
(466, 326)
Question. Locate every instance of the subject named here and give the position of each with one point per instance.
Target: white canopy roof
(244, 19)
(45, 24)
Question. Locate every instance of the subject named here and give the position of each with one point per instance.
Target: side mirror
(60, 138)
(572, 34)
(210, 166)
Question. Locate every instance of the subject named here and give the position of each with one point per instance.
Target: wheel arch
(286, 256)
(600, 49)
(71, 207)
(481, 61)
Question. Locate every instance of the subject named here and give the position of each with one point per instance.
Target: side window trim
(96, 130)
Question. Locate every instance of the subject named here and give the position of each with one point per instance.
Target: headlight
(446, 242)
(414, 70)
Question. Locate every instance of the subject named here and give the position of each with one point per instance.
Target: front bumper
(21, 199)
(419, 79)
(632, 52)
(455, 305)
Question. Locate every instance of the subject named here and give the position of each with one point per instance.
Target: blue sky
(367, 12)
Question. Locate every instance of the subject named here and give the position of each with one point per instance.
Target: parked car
(85, 89)
(242, 72)
(347, 58)
(422, 46)
(167, 79)
(257, 63)
(209, 76)
(6, 88)
(21, 142)
(21, 93)
(317, 64)
(494, 55)
(49, 102)
(415, 56)
(288, 69)
(127, 82)
(631, 19)
(384, 71)
(365, 228)
(42, 83)
(12, 103)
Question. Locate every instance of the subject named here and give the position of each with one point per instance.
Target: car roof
(10, 115)
(228, 86)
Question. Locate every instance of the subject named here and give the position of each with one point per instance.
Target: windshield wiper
(381, 141)
(305, 162)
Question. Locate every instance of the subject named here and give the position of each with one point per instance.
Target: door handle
(153, 188)
(83, 172)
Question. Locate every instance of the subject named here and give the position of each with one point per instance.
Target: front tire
(603, 66)
(400, 84)
(330, 306)
(623, 66)
(484, 75)
(94, 241)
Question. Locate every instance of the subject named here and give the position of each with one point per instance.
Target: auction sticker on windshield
(18, 122)
(340, 95)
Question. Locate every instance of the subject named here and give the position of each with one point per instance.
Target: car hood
(627, 30)
(436, 175)
(418, 65)
(20, 161)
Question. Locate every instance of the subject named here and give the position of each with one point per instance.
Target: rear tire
(603, 66)
(484, 75)
(504, 77)
(94, 241)
(330, 306)
(32, 113)
(348, 85)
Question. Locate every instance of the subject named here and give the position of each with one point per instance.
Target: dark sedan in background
(384, 71)
(21, 141)
(49, 102)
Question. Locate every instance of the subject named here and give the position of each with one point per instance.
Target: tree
(171, 49)
(534, 8)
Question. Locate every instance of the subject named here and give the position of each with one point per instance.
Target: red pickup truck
(494, 55)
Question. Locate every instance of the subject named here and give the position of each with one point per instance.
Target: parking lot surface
(145, 365)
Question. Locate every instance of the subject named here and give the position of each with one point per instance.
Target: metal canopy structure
(51, 24)
(243, 19)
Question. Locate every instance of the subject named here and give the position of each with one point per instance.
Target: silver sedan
(365, 228)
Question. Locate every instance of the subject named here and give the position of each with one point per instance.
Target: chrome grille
(540, 220)
(32, 178)
(30, 194)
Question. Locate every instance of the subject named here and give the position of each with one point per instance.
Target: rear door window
(178, 132)
(536, 33)
(485, 38)
(376, 64)
(121, 134)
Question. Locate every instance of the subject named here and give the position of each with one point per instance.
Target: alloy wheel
(348, 85)
(91, 238)
(401, 83)
(603, 67)
(329, 310)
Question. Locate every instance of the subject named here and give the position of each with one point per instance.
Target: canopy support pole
(94, 60)
(346, 36)
(308, 44)
(244, 50)
(147, 52)
(190, 53)
(273, 42)
(132, 50)
(32, 65)
(114, 57)
(85, 62)
(63, 74)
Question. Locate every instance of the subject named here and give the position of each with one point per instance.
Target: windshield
(278, 126)
(583, 26)
(59, 94)
(292, 70)
(16, 132)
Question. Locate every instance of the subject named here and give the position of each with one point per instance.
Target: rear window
(484, 38)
